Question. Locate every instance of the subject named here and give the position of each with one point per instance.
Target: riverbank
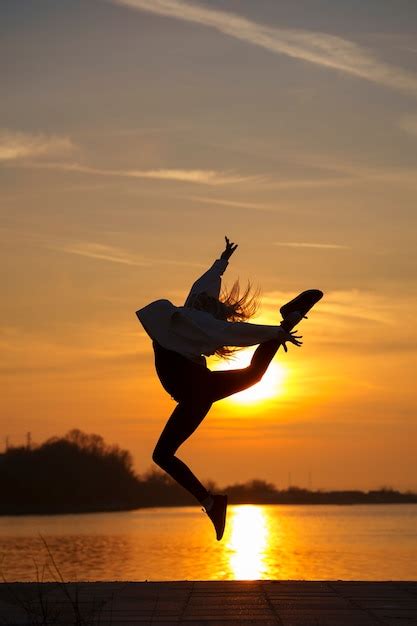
(211, 603)
(293, 496)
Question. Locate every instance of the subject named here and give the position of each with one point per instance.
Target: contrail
(314, 47)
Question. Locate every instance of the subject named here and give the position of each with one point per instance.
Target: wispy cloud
(359, 304)
(325, 246)
(199, 177)
(103, 252)
(235, 203)
(310, 183)
(207, 177)
(314, 47)
(17, 145)
(95, 250)
(216, 178)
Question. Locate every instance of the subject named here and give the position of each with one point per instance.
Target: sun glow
(271, 384)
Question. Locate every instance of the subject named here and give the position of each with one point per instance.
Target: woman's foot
(296, 309)
(217, 514)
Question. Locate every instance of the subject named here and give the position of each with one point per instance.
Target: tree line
(79, 472)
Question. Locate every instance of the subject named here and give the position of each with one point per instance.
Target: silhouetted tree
(78, 472)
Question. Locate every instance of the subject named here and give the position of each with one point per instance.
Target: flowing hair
(240, 306)
(232, 306)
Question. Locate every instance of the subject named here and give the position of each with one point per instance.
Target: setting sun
(271, 384)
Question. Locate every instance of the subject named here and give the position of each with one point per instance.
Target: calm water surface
(283, 542)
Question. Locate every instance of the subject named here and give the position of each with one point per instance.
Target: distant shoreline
(80, 473)
(188, 505)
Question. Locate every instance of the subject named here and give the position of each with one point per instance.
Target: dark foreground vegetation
(81, 473)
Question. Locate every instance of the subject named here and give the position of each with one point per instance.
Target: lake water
(281, 542)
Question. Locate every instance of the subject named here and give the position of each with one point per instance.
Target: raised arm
(210, 281)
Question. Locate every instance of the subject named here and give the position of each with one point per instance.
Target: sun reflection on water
(248, 542)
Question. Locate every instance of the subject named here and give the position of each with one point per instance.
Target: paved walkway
(288, 603)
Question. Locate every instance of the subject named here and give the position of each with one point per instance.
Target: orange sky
(134, 136)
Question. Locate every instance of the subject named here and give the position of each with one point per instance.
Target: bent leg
(224, 383)
(184, 420)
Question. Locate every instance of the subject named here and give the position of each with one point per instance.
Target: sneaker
(296, 309)
(217, 514)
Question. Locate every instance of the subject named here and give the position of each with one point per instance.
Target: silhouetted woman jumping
(210, 323)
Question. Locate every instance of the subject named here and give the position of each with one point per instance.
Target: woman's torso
(179, 376)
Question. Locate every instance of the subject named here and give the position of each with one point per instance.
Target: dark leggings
(195, 388)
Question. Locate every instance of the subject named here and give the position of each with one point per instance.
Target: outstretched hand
(228, 251)
(293, 338)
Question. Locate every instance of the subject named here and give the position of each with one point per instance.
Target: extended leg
(184, 420)
(224, 383)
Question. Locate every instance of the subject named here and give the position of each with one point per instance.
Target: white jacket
(194, 333)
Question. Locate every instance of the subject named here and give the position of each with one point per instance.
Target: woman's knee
(161, 456)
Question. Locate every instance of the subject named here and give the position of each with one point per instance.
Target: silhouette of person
(210, 323)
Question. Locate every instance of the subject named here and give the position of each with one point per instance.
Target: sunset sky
(134, 135)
